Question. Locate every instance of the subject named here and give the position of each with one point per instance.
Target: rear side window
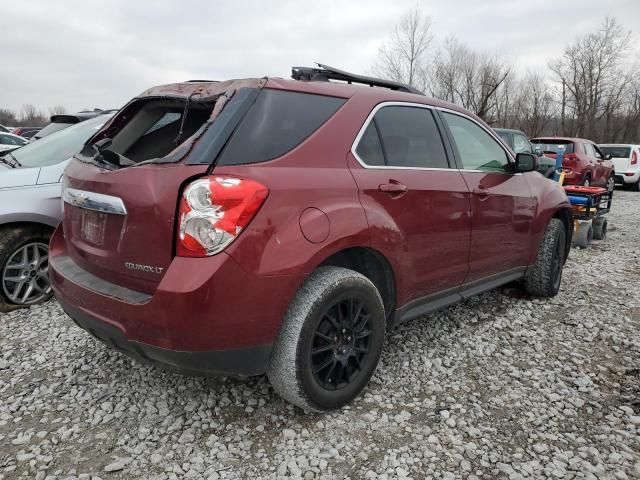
(403, 137)
(277, 122)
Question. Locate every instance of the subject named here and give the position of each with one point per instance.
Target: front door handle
(482, 192)
(395, 189)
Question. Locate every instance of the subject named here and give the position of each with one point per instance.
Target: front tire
(24, 265)
(330, 340)
(611, 184)
(543, 278)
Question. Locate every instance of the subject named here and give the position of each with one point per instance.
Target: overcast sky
(101, 53)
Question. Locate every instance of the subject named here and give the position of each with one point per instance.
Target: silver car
(31, 208)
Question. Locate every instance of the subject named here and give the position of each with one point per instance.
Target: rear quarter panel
(33, 204)
(312, 175)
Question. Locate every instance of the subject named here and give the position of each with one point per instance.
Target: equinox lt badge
(143, 268)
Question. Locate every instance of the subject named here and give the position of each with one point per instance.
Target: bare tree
(592, 75)
(8, 117)
(404, 57)
(30, 115)
(57, 110)
(596, 94)
(469, 78)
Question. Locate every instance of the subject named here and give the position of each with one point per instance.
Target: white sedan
(9, 141)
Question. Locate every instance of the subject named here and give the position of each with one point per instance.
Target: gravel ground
(503, 386)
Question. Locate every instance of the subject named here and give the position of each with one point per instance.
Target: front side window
(597, 152)
(403, 137)
(505, 136)
(521, 144)
(477, 149)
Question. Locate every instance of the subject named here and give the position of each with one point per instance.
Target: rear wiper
(178, 140)
(12, 163)
(109, 156)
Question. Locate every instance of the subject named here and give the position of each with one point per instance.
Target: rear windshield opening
(554, 146)
(154, 130)
(617, 152)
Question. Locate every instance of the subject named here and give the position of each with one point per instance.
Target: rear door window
(403, 137)
(277, 123)
(369, 148)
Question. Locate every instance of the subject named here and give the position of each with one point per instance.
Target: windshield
(504, 136)
(553, 146)
(52, 128)
(59, 146)
(616, 152)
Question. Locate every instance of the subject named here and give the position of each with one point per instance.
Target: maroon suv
(583, 163)
(282, 226)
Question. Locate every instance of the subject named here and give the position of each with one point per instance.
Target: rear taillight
(634, 158)
(570, 159)
(213, 212)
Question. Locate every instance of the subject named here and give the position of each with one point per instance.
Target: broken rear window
(158, 127)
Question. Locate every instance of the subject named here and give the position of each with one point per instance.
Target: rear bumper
(573, 178)
(240, 362)
(627, 177)
(207, 316)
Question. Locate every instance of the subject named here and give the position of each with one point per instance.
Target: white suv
(626, 158)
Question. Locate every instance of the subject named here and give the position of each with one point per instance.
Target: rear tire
(584, 235)
(544, 277)
(611, 184)
(600, 228)
(635, 187)
(330, 340)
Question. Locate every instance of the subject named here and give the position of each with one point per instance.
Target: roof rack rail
(202, 81)
(326, 73)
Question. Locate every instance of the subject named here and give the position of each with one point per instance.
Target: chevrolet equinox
(282, 226)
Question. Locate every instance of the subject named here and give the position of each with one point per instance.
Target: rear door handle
(393, 188)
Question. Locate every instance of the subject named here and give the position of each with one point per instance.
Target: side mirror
(526, 162)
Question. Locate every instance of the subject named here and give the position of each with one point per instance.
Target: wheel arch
(373, 265)
(26, 224)
(566, 217)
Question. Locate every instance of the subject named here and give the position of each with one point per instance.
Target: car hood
(17, 177)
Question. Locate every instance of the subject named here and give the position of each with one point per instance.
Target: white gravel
(502, 386)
